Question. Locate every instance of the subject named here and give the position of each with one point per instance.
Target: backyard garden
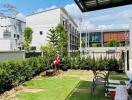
(25, 80)
(72, 83)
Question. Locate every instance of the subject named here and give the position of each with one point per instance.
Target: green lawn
(65, 87)
(98, 95)
(52, 88)
(118, 76)
(60, 89)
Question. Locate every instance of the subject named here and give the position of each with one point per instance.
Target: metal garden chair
(100, 78)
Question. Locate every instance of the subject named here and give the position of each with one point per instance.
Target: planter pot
(76, 67)
(86, 68)
(64, 68)
(120, 71)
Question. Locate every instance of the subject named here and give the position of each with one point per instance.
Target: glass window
(41, 32)
(14, 35)
(95, 37)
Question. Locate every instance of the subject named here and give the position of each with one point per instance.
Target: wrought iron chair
(100, 78)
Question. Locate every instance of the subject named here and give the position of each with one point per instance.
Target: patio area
(69, 85)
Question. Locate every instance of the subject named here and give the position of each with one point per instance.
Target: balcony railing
(7, 34)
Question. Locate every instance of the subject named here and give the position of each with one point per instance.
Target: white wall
(104, 49)
(12, 55)
(101, 52)
(42, 21)
(5, 45)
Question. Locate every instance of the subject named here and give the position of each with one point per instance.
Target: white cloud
(20, 16)
(113, 26)
(42, 9)
(108, 15)
(52, 7)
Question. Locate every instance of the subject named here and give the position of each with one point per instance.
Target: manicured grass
(53, 88)
(61, 89)
(98, 95)
(118, 76)
(67, 87)
(87, 96)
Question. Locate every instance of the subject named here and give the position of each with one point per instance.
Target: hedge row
(14, 73)
(90, 63)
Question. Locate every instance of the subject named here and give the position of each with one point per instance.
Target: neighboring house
(42, 22)
(102, 37)
(11, 32)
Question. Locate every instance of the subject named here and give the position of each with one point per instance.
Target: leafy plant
(112, 43)
(27, 38)
(49, 52)
(83, 43)
(58, 38)
(13, 73)
(94, 45)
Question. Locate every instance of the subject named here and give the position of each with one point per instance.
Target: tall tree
(58, 37)
(53, 37)
(27, 38)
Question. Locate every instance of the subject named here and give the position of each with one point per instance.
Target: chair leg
(92, 89)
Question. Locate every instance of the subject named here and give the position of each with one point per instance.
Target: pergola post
(130, 48)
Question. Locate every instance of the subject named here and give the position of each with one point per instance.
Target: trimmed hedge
(91, 63)
(13, 73)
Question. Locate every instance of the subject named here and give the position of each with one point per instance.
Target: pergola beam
(91, 5)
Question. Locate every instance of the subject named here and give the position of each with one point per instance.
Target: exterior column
(86, 39)
(130, 49)
(80, 34)
(102, 44)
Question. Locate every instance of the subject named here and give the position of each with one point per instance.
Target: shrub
(94, 45)
(13, 73)
(112, 43)
(113, 64)
(76, 62)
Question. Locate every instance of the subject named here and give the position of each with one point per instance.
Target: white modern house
(11, 32)
(42, 22)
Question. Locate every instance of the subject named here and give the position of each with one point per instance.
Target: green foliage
(113, 64)
(57, 88)
(13, 73)
(58, 38)
(53, 37)
(48, 52)
(112, 43)
(94, 45)
(27, 38)
(87, 63)
(83, 43)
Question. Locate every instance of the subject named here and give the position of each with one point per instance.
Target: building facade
(11, 33)
(42, 22)
(100, 38)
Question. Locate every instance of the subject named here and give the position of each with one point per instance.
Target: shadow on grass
(83, 92)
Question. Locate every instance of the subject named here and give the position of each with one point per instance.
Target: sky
(118, 17)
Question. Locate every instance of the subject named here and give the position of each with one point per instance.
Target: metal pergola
(91, 5)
